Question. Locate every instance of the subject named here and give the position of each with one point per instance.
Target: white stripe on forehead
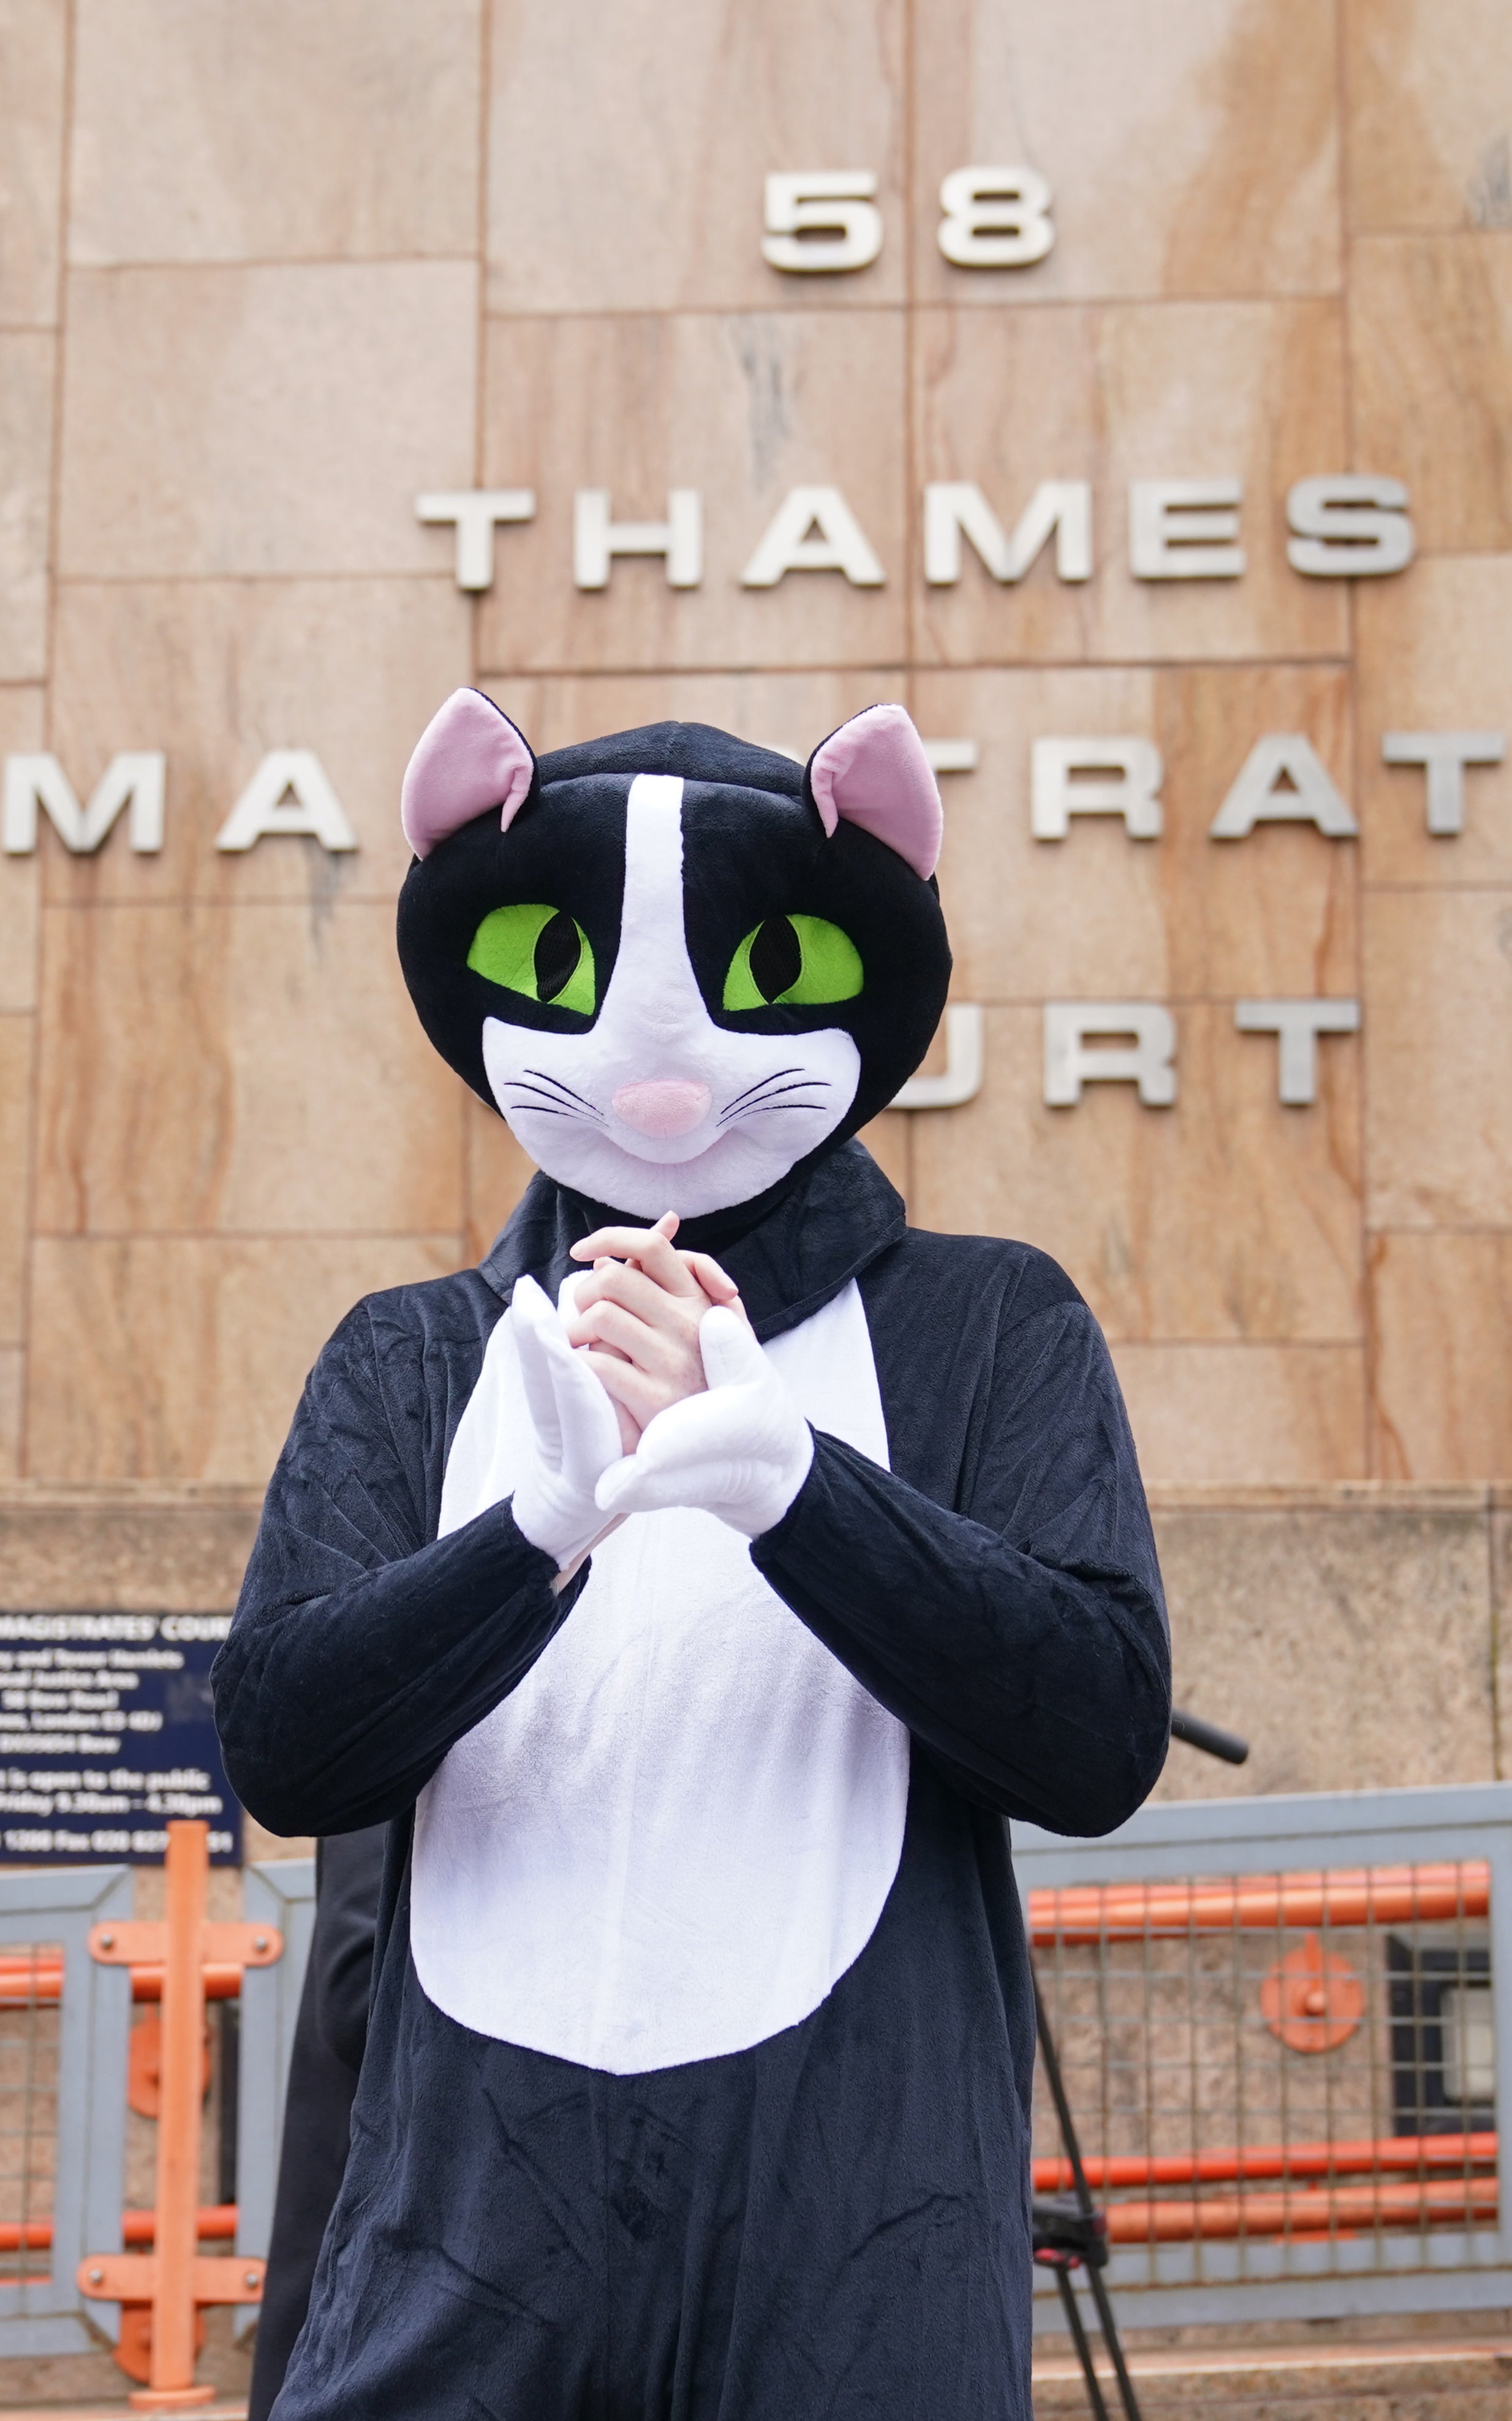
(653, 851)
(653, 980)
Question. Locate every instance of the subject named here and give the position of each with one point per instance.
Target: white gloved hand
(743, 1450)
(576, 1435)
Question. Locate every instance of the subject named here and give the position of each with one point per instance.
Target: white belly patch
(674, 1836)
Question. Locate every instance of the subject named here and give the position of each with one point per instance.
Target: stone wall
(1353, 1633)
(266, 276)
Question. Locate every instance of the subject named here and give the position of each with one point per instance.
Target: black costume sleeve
(359, 1651)
(1021, 1638)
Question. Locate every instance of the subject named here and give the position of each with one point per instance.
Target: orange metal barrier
(23, 1982)
(174, 2278)
(1091, 1912)
(1359, 2024)
(215, 2221)
(1422, 2153)
(1441, 2202)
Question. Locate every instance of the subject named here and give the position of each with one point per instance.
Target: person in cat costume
(694, 1613)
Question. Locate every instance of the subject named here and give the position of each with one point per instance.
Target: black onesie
(832, 2222)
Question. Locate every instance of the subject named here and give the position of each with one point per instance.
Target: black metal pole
(1079, 2339)
(1084, 2195)
(1211, 1738)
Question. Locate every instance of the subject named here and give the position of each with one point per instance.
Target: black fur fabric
(754, 848)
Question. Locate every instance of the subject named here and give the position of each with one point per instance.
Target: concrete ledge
(1339, 1496)
(129, 1545)
(1421, 2380)
(1353, 1633)
(1282, 2379)
(111, 2412)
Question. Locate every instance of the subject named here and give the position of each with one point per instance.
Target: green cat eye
(793, 963)
(541, 952)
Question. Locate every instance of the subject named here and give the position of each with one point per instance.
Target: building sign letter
(1131, 773)
(995, 218)
(597, 539)
(477, 511)
(1347, 528)
(1257, 797)
(1185, 529)
(1297, 1024)
(38, 781)
(289, 792)
(821, 220)
(1071, 1061)
(1444, 756)
(965, 1028)
(1059, 509)
(786, 546)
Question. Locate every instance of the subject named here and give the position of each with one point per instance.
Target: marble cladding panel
(206, 131)
(247, 1069)
(1166, 177)
(1431, 656)
(497, 1173)
(1246, 1415)
(890, 1141)
(1099, 914)
(17, 1047)
(1225, 1218)
(182, 1357)
(21, 729)
(1441, 1380)
(1109, 394)
(789, 711)
(1430, 355)
(629, 142)
(742, 408)
(266, 419)
(33, 47)
(1500, 1521)
(1438, 1045)
(27, 364)
(13, 1375)
(1302, 1630)
(216, 673)
(1429, 92)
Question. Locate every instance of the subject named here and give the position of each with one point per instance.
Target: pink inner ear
(468, 757)
(873, 772)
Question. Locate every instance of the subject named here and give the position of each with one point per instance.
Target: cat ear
(467, 759)
(873, 772)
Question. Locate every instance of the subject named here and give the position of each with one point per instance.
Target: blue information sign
(105, 1732)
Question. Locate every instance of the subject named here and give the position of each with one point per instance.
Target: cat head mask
(679, 965)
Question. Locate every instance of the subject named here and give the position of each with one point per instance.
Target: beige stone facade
(267, 276)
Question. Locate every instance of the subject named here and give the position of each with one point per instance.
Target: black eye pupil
(557, 952)
(776, 958)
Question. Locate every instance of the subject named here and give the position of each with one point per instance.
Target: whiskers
(536, 1092)
(546, 1096)
(786, 1089)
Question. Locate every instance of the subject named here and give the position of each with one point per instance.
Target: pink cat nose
(661, 1108)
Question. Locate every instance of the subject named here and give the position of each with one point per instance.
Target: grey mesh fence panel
(281, 1893)
(1287, 2078)
(63, 2040)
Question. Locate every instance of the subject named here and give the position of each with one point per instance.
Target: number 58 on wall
(821, 220)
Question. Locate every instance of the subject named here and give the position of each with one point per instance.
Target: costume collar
(800, 1247)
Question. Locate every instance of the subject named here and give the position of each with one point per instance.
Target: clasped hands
(648, 1391)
